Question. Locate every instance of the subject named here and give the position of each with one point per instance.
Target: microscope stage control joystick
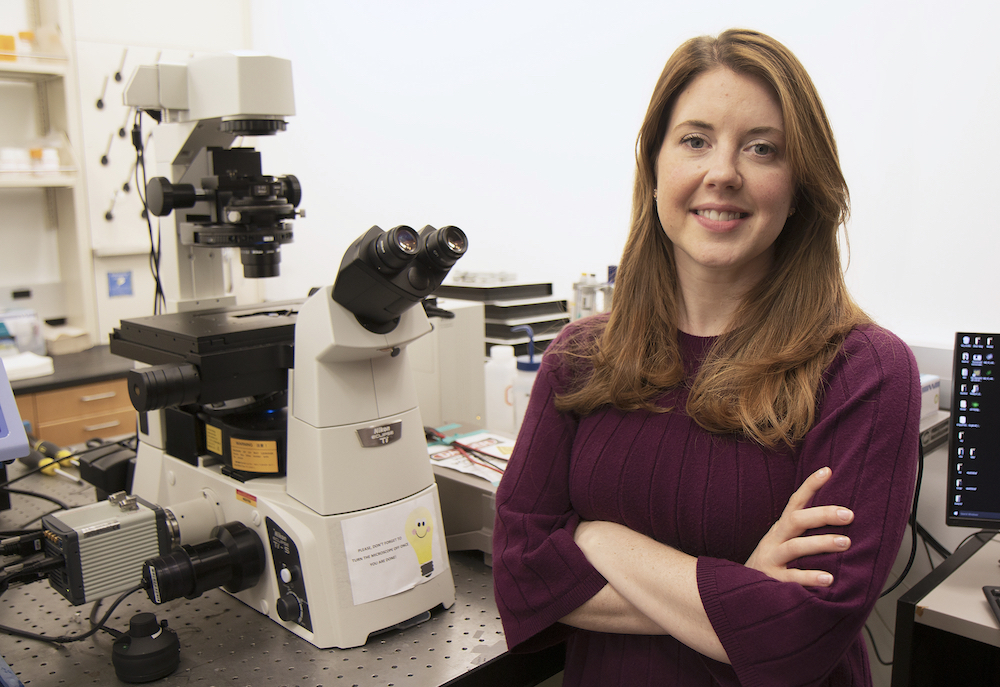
(147, 652)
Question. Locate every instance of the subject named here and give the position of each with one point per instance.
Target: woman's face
(724, 186)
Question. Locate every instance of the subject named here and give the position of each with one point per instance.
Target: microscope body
(202, 107)
(297, 421)
(339, 565)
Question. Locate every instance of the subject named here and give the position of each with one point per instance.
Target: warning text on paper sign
(382, 552)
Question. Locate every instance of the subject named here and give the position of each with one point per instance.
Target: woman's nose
(723, 171)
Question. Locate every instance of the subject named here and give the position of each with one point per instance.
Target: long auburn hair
(762, 377)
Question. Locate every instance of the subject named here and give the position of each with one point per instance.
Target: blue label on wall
(119, 284)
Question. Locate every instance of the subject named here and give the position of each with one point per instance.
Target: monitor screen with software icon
(973, 489)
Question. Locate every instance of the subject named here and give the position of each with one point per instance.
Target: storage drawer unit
(75, 414)
(26, 409)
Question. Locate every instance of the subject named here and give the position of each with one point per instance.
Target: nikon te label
(380, 435)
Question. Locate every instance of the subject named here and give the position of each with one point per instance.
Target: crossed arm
(645, 574)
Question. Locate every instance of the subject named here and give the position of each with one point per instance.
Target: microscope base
(318, 582)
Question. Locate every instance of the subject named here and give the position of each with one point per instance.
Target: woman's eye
(694, 142)
(762, 149)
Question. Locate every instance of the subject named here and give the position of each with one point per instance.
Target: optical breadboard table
(225, 642)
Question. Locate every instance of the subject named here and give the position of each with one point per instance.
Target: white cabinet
(45, 246)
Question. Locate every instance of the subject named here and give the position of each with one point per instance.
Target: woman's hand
(784, 542)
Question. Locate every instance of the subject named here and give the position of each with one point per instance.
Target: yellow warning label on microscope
(254, 456)
(213, 439)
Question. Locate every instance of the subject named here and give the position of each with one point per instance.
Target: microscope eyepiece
(443, 247)
(394, 249)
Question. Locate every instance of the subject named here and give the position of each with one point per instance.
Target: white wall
(517, 121)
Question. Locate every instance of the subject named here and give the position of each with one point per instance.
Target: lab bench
(223, 641)
(85, 398)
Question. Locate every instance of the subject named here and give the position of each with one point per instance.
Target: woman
(711, 483)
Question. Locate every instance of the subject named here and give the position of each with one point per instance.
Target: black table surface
(96, 364)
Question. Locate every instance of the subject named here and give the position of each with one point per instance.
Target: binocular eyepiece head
(384, 273)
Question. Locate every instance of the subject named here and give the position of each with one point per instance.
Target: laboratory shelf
(33, 68)
(38, 180)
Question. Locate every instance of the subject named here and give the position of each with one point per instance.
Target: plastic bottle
(606, 291)
(585, 296)
(527, 370)
(501, 368)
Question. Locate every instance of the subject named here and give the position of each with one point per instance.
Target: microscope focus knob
(162, 196)
(288, 607)
(292, 189)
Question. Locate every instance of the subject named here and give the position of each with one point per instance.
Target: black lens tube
(261, 262)
(233, 559)
(163, 386)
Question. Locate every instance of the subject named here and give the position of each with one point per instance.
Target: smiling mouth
(717, 216)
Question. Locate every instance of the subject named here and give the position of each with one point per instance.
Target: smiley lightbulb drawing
(419, 532)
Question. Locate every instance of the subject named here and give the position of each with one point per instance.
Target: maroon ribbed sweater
(713, 497)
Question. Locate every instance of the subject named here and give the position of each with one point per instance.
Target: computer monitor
(974, 436)
(13, 440)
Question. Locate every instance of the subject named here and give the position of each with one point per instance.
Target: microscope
(281, 450)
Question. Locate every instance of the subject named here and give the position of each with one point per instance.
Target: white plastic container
(500, 370)
(527, 370)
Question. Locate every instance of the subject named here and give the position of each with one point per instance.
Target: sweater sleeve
(539, 572)
(866, 430)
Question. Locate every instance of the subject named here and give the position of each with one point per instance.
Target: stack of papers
(488, 459)
(27, 365)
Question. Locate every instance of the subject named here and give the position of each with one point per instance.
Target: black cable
(935, 544)
(432, 310)
(159, 299)
(877, 654)
(27, 543)
(17, 533)
(36, 519)
(74, 638)
(25, 559)
(32, 471)
(992, 534)
(30, 572)
(927, 549)
(485, 457)
(913, 522)
(125, 443)
(93, 623)
(34, 494)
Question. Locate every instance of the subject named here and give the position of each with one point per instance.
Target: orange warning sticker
(246, 498)
(254, 456)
